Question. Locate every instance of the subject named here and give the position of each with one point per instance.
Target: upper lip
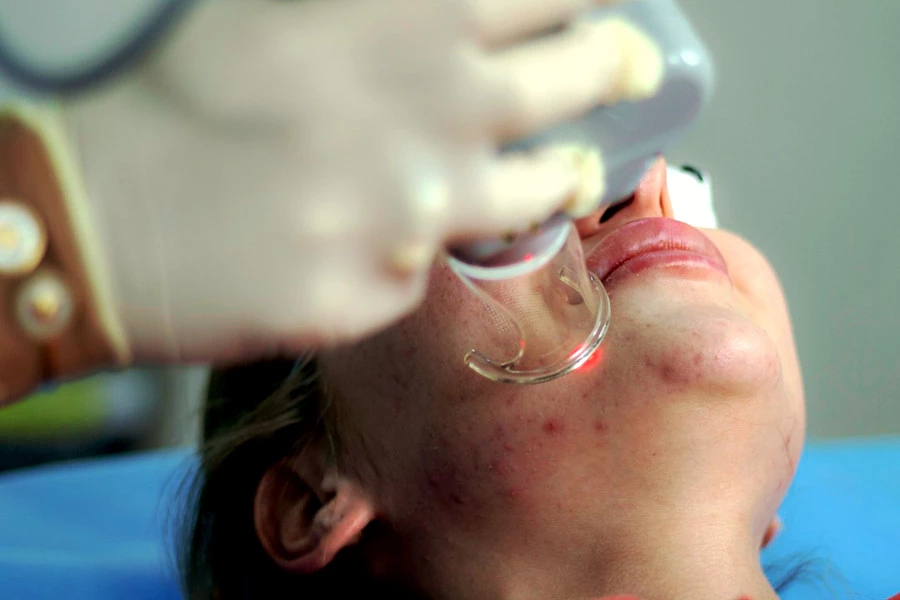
(648, 235)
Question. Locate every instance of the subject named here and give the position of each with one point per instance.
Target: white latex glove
(283, 173)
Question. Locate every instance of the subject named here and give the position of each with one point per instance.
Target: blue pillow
(90, 530)
(842, 516)
(96, 529)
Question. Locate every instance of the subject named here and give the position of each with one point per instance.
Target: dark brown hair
(255, 416)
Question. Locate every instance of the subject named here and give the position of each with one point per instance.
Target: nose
(650, 199)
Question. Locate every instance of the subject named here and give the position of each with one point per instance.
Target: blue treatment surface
(98, 529)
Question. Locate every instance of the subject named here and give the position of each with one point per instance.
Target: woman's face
(688, 426)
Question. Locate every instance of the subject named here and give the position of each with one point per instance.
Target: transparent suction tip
(549, 313)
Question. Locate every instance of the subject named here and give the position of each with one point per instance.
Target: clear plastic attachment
(549, 313)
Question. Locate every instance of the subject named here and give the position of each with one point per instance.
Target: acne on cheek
(444, 485)
(738, 361)
(677, 371)
(553, 426)
(510, 465)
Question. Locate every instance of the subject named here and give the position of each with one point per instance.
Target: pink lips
(646, 243)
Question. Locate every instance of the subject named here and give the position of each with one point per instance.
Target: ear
(304, 514)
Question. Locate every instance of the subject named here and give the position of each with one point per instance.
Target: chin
(740, 358)
(719, 354)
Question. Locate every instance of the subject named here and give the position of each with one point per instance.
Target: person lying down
(655, 471)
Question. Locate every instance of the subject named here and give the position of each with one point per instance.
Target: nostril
(615, 208)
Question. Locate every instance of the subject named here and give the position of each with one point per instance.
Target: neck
(702, 562)
(695, 573)
(671, 557)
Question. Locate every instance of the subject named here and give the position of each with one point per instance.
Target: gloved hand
(281, 174)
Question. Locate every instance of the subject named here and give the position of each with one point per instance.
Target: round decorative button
(23, 238)
(44, 305)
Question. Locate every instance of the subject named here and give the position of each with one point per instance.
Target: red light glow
(595, 359)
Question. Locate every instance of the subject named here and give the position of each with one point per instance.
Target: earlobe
(303, 519)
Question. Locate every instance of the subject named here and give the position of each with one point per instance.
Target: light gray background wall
(803, 143)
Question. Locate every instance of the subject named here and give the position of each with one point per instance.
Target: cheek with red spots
(675, 371)
(733, 358)
(506, 464)
(553, 427)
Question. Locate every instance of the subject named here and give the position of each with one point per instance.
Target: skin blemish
(446, 489)
(553, 426)
(599, 426)
(499, 467)
(514, 493)
(443, 482)
(676, 371)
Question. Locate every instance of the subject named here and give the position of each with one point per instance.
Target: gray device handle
(630, 135)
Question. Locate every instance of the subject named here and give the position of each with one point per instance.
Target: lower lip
(680, 262)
